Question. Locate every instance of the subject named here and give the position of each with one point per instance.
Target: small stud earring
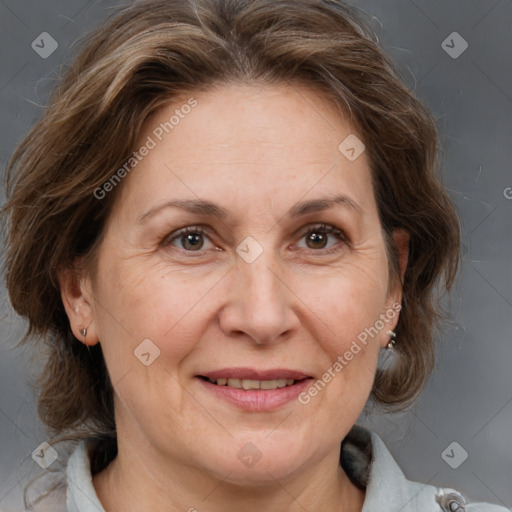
(83, 332)
(392, 335)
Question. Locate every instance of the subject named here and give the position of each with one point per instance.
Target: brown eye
(316, 240)
(318, 237)
(190, 239)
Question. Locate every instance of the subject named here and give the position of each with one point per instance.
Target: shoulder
(370, 465)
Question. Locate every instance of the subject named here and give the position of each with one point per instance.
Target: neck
(132, 483)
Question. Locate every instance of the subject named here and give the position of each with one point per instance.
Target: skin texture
(256, 151)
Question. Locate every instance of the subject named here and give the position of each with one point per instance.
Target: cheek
(148, 300)
(346, 302)
(345, 311)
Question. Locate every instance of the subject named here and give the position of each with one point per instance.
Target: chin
(258, 459)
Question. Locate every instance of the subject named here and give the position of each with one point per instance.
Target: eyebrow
(203, 207)
(325, 203)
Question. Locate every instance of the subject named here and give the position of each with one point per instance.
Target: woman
(229, 209)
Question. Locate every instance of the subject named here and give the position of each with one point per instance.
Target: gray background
(469, 398)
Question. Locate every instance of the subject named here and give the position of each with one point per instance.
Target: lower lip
(258, 399)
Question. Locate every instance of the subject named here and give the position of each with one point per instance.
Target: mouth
(255, 390)
(251, 384)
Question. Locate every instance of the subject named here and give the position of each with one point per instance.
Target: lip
(253, 374)
(256, 400)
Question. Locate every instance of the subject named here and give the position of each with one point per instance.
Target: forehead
(270, 145)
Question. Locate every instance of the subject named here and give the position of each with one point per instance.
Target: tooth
(268, 384)
(235, 383)
(251, 384)
(211, 380)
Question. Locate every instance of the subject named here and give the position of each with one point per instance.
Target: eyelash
(317, 228)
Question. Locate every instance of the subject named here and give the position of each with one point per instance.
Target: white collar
(363, 455)
(81, 495)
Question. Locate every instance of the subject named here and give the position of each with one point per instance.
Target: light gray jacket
(365, 459)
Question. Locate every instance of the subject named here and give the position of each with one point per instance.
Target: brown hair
(144, 56)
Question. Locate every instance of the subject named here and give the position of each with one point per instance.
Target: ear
(77, 302)
(394, 301)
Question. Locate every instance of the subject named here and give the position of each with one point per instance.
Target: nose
(260, 304)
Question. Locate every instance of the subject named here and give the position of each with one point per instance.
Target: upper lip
(253, 374)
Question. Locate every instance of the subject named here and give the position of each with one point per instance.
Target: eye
(194, 239)
(317, 237)
(190, 239)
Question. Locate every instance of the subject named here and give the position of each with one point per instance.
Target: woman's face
(272, 282)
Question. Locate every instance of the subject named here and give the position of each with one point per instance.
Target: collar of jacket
(364, 457)
(369, 464)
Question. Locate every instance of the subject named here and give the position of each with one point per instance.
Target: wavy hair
(140, 59)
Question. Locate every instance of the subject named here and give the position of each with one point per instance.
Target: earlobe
(401, 241)
(78, 307)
